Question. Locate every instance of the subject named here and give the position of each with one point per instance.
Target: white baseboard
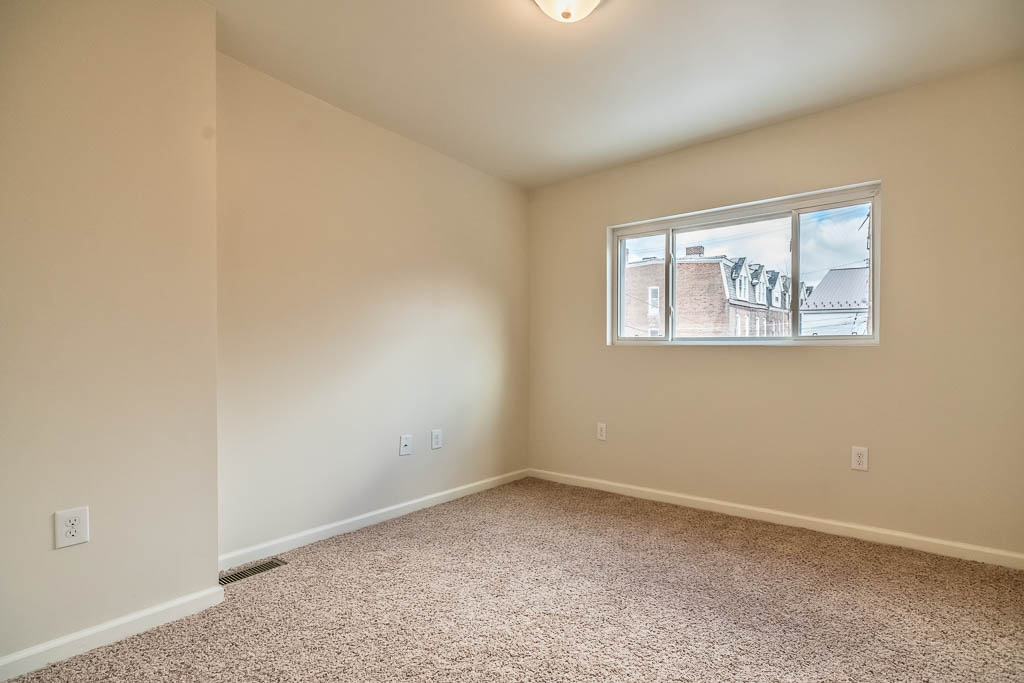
(108, 632)
(938, 546)
(280, 545)
(78, 642)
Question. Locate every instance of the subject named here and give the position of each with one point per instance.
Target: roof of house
(842, 289)
(731, 269)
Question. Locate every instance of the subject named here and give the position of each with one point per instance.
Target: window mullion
(670, 299)
(794, 284)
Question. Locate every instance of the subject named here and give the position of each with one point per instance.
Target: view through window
(643, 276)
(835, 267)
(794, 269)
(726, 279)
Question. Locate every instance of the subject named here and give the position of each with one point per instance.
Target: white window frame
(618, 263)
(793, 206)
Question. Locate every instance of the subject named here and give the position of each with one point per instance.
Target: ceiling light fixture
(568, 11)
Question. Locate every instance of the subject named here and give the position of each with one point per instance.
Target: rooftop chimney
(695, 251)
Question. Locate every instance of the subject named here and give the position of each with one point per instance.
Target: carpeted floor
(538, 581)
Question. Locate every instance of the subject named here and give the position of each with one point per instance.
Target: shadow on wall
(315, 395)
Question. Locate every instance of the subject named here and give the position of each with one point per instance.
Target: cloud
(830, 238)
(764, 242)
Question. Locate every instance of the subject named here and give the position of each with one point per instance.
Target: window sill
(813, 341)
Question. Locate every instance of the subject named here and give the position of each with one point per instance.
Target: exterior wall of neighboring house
(749, 319)
(640, 317)
(702, 307)
(709, 302)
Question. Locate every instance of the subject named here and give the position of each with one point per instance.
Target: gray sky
(764, 242)
(833, 238)
(830, 238)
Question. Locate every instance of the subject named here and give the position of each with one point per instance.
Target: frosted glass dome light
(568, 11)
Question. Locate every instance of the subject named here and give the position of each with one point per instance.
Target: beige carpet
(537, 581)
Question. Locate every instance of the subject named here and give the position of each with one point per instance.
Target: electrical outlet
(70, 527)
(436, 439)
(602, 431)
(859, 458)
(405, 444)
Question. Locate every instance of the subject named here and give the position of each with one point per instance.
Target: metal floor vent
(240, 574)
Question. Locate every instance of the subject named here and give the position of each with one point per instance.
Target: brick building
(715, 296)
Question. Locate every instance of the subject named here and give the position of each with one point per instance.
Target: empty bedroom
(517, 340)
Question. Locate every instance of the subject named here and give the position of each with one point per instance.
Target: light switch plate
(405, 444)
(436, 439)
(70, 527)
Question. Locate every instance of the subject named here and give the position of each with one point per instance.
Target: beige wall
(108, 308)
(938, 402)
(369, 287)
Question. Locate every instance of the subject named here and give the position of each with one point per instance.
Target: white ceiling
(497, 84)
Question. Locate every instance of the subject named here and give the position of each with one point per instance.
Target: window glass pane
(734, 281)
(835, 271)
(641, 299)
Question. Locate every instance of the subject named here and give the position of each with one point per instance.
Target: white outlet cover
(859, 458)
(602, 431)
(70, 527)
(405, 444)
(436, 439)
